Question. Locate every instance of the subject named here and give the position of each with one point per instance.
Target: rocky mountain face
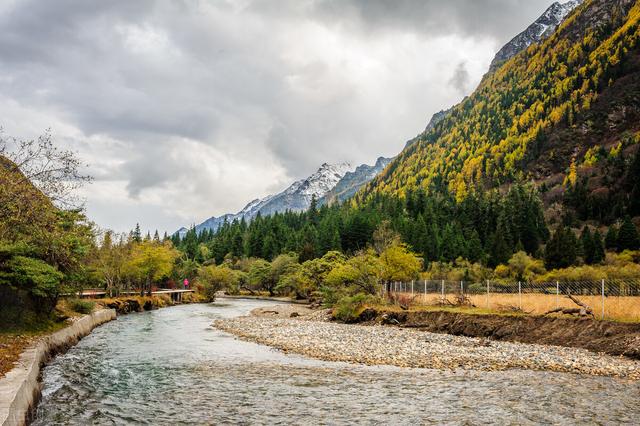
(330, 183)
(351, 182)
(539, 30)
(298, 196)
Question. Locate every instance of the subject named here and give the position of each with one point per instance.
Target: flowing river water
(170, 367)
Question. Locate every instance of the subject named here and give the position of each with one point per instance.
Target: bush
(81, 306)
(215, 278)
(349, 308)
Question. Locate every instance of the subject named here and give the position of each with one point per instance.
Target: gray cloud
(500, 19)
(460, 78)
(176, 102)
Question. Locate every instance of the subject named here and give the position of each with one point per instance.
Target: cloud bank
(190, 109)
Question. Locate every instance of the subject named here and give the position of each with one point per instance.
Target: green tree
(628, 238)
(611, 238)
(151, 261)
(561, 250)
(215, 278)
(261, 277)
(587, 246)
(598, 247)
(359, 274)
(399, 264)
(38, 279)
(137, 235)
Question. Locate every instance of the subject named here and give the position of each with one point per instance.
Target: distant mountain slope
(296, 197)
(539, 30)
(351, 182)
(550, 113)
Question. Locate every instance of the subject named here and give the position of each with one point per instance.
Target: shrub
(349, 308)
(81, 306)
(215, 278)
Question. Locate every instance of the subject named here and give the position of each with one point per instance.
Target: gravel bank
(377, 345)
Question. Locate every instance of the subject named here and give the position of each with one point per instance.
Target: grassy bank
(15, 337)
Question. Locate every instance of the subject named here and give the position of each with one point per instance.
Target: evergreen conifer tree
(137, 236)
(628, 238)
(587, 246)
(611, 238)
(598, 247)
(561, 250)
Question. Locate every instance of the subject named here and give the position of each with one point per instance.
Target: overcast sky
(189, 109)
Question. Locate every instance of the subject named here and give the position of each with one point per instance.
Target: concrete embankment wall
(20, 388)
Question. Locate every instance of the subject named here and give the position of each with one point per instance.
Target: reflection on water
(171, 367)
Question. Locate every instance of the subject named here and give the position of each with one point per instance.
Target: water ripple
(169, 367)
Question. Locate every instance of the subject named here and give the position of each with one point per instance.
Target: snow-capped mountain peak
(297, 197)
(542, 28)
(323, 180)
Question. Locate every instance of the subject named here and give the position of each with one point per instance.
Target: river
(170, 367)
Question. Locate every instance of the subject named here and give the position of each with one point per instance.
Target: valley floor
(312, 335)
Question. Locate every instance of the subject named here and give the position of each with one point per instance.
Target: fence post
(461, 289)
(442, 289)
(425, 289)
(412, 287)
(557, 294)
(603, 299)
(520, 294)
(487, 294)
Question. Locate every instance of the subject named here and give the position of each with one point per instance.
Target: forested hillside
(563, 113)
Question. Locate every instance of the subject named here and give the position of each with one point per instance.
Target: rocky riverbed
(308, 334)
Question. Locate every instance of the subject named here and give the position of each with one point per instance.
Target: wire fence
(605, 299)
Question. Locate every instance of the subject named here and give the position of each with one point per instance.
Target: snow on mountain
(299, 195)
(542, 28)
(351, 182)
(296, 197)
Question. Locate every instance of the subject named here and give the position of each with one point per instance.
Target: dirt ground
(11, 346)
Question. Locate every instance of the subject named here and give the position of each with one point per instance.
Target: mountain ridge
(539, 30)
(298, 195)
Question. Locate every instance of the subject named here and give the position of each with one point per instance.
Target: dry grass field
(616, 308)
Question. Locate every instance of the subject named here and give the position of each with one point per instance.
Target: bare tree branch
(54, 171)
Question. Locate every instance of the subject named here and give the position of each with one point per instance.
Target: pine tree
(270, 247)
(137, 236)
(569, 247)
(587, 246)
(611, 238)
(156, 236)
(598, 247)
(312, 211)
(309, 240)
(474, 247)
(628, 238)
(560, 251)
(500, 251)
